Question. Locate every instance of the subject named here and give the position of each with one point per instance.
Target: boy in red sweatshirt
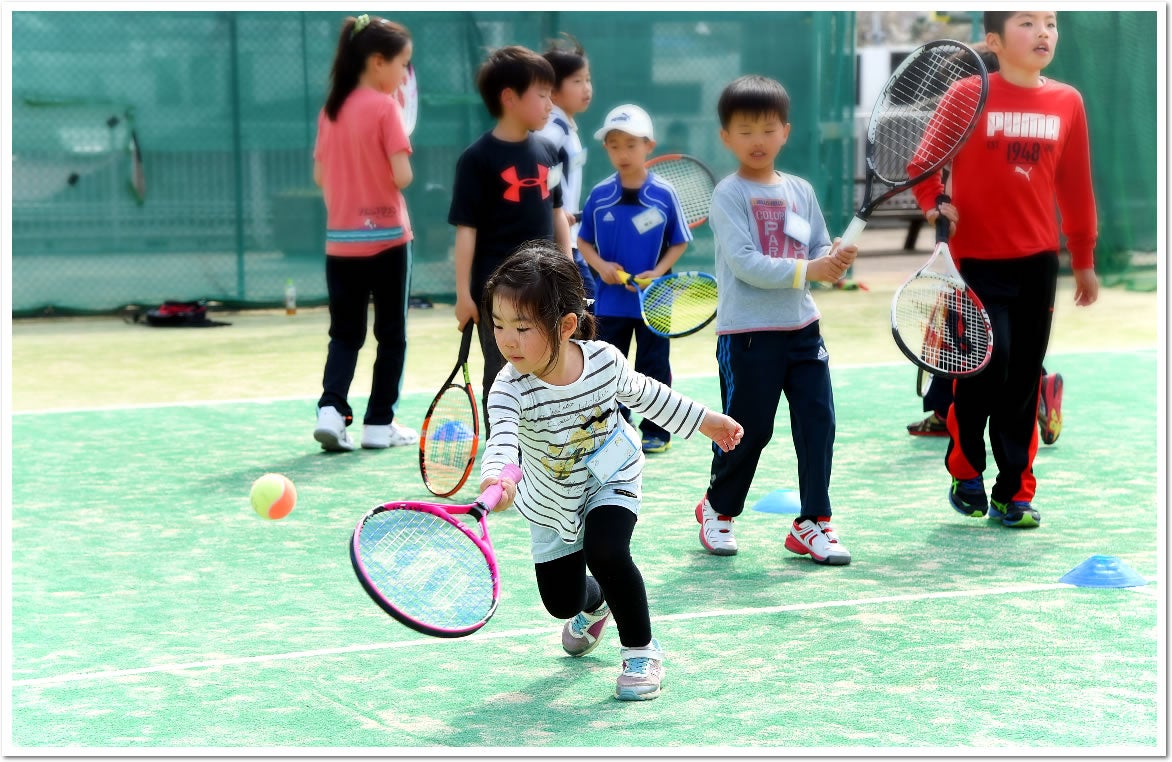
(1028, 157)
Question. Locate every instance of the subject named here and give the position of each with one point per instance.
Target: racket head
(941, 326)
(409, 98)
(679, 304)
(450, 435)
(925, 112)
(422, 565)
(692, 181)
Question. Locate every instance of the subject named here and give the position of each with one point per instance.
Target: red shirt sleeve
(1076, 196)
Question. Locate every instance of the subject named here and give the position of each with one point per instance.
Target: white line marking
(268, 400)
(532, 631)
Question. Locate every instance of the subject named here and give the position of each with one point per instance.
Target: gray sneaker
(331, 430)
(642, 673)
(581, 634)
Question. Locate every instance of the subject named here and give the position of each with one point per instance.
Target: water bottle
(290, 298)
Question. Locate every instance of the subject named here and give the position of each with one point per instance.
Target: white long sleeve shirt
(554, 429)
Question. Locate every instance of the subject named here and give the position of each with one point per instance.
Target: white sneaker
(818, 539)
(716, 531)
(642, 674)
(390, 435)
(331, 430)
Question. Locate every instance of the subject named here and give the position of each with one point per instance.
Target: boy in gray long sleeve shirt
(771, 242)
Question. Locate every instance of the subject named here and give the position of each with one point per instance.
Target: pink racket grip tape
(492, 495)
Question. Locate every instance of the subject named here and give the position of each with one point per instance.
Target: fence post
(234, 64)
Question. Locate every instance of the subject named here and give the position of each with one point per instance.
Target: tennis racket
(426, 568)
(693, 182)
(676, 304)
(924, 114)
(937, 320)
(451, 430)
(408, 95)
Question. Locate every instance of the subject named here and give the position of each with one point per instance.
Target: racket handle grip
(852, 232)
(942, 222)
(491, 496)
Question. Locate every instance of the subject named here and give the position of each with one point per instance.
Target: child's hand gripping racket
(676, 304)
(426, 568)
(451, 430)
(692, 181)
(937, 320)
(923, 116)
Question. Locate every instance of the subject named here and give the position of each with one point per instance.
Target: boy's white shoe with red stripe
(716, 531)
(819, 540)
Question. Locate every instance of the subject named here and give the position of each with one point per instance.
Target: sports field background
(151, 609)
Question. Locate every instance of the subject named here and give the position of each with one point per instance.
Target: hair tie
(360, 23)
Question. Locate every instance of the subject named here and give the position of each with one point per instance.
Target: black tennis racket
(924, 114)
(693, 182)
(451, 430)
(937, 321)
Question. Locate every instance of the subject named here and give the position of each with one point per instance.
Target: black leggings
(606, 550)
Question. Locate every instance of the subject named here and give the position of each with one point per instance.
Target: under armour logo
(1019, 170)
(513, 192)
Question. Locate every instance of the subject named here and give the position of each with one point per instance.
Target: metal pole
(234, 75)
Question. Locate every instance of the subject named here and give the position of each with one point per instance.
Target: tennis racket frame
(478, 509)
(461, 364)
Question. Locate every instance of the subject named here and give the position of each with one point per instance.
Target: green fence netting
(221, 107)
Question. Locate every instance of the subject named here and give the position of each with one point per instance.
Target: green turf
(134, 547)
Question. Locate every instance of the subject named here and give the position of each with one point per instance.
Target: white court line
(268, 400)
(532, 631)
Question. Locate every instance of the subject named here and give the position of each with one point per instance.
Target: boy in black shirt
(507, 189)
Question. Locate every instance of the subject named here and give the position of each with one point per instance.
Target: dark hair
(511, 67)
(379, 36)
(987, 56)
(546, 286)
(995, 21)
(566, 56)
(754, 95)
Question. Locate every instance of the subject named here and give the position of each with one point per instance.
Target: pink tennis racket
(426, 567)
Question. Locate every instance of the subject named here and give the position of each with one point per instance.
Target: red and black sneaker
(1050, 408)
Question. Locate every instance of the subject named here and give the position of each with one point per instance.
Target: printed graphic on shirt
(582, 440)
(516, 183)
(769, 214)
(1025, 137)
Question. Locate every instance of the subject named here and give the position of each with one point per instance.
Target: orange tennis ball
(273, 496)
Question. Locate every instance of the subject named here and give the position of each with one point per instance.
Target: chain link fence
(222, 108)
(168, 155)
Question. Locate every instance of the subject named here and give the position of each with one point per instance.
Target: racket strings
(677, 305)
(426, 568)
(926, 112)
(948, 326)
(692, 184)
(449, 439)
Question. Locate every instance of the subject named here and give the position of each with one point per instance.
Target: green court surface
(153, 609)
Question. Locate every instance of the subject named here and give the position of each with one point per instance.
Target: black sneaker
(1016, 513)
(967, 496)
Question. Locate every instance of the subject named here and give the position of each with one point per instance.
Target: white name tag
(617, 451)
(797, 228)
(554, 177)
(648, 220)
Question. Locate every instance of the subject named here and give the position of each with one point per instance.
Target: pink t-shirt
(365, 212)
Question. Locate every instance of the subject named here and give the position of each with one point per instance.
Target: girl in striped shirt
(554, 408)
